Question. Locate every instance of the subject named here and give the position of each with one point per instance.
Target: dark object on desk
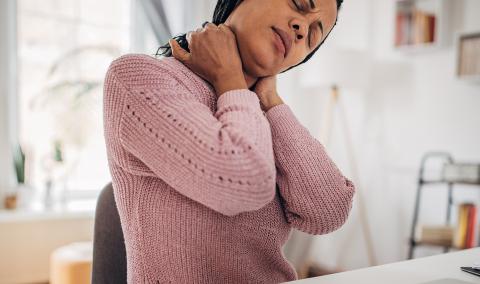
(471, 270)
(109, 255)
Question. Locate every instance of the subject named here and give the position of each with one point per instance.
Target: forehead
(323, 4)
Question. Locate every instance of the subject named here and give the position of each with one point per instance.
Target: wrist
(228, 83)
(269, 101)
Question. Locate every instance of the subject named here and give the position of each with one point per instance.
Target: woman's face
(259, 26)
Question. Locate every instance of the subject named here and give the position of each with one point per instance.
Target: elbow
(334, 215)
(261, 188)
(342, 208)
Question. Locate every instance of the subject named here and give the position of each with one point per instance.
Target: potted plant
(11, 198)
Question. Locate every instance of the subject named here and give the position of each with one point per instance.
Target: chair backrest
(109, 256)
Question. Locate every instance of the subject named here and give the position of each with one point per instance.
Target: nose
(300, 29)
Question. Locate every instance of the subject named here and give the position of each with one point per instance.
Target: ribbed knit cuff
(281, 117)
(240, 96)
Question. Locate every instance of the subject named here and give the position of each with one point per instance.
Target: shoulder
(135, 60)
(139, 69)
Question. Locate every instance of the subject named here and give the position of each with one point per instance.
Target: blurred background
(393, 94)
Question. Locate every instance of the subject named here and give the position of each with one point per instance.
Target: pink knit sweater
(195, 177)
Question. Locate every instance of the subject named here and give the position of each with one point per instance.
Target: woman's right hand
(214, 56)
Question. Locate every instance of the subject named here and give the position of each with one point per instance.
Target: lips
(286, 39)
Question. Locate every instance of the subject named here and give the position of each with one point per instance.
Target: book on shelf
(467, 232)
(436, 235)
(414, 27)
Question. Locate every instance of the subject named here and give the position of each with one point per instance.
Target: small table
(416, 271)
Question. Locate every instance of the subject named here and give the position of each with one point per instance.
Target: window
(64, 49)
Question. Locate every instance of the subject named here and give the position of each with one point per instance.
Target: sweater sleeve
(317, 197)
(223, 160)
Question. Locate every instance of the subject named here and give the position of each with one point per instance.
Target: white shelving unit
(408, 30)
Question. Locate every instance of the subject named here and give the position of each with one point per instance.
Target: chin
(259, 61)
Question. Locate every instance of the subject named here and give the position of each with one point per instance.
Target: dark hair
(223, 9)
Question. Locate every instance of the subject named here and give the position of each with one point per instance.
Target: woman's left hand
(266, 90)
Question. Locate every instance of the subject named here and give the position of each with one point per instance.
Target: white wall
(414, 104)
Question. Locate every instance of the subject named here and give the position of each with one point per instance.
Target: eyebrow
(312, 6)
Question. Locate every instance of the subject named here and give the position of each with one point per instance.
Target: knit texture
(208, 190)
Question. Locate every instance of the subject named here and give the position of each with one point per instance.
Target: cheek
(297, 57)
(258, 53)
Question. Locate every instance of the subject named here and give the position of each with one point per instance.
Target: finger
(208, 25)
(189, 36)
(225, 28)
(178, 52)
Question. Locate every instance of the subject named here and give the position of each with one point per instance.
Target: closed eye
(302, 9)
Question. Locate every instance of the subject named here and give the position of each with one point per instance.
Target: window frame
(9, 80)
(9, 120)
(8, 96)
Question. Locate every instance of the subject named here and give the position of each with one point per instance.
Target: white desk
(405, 272)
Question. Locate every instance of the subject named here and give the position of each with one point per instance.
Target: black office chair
(109, 256)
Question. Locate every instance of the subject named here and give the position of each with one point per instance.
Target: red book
(473, 223)
(471, 219)
(432, 27)
(467, 234)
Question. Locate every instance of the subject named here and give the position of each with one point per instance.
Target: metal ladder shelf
(421, 183)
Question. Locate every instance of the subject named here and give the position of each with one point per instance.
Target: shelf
(418, 48)
(32, 207)
(421, 26)
(447, 182)
(470, 79)
(58, 213)
(450, 247)
(445, 236)
(434, 244)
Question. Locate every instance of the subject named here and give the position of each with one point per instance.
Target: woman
(210, 169)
